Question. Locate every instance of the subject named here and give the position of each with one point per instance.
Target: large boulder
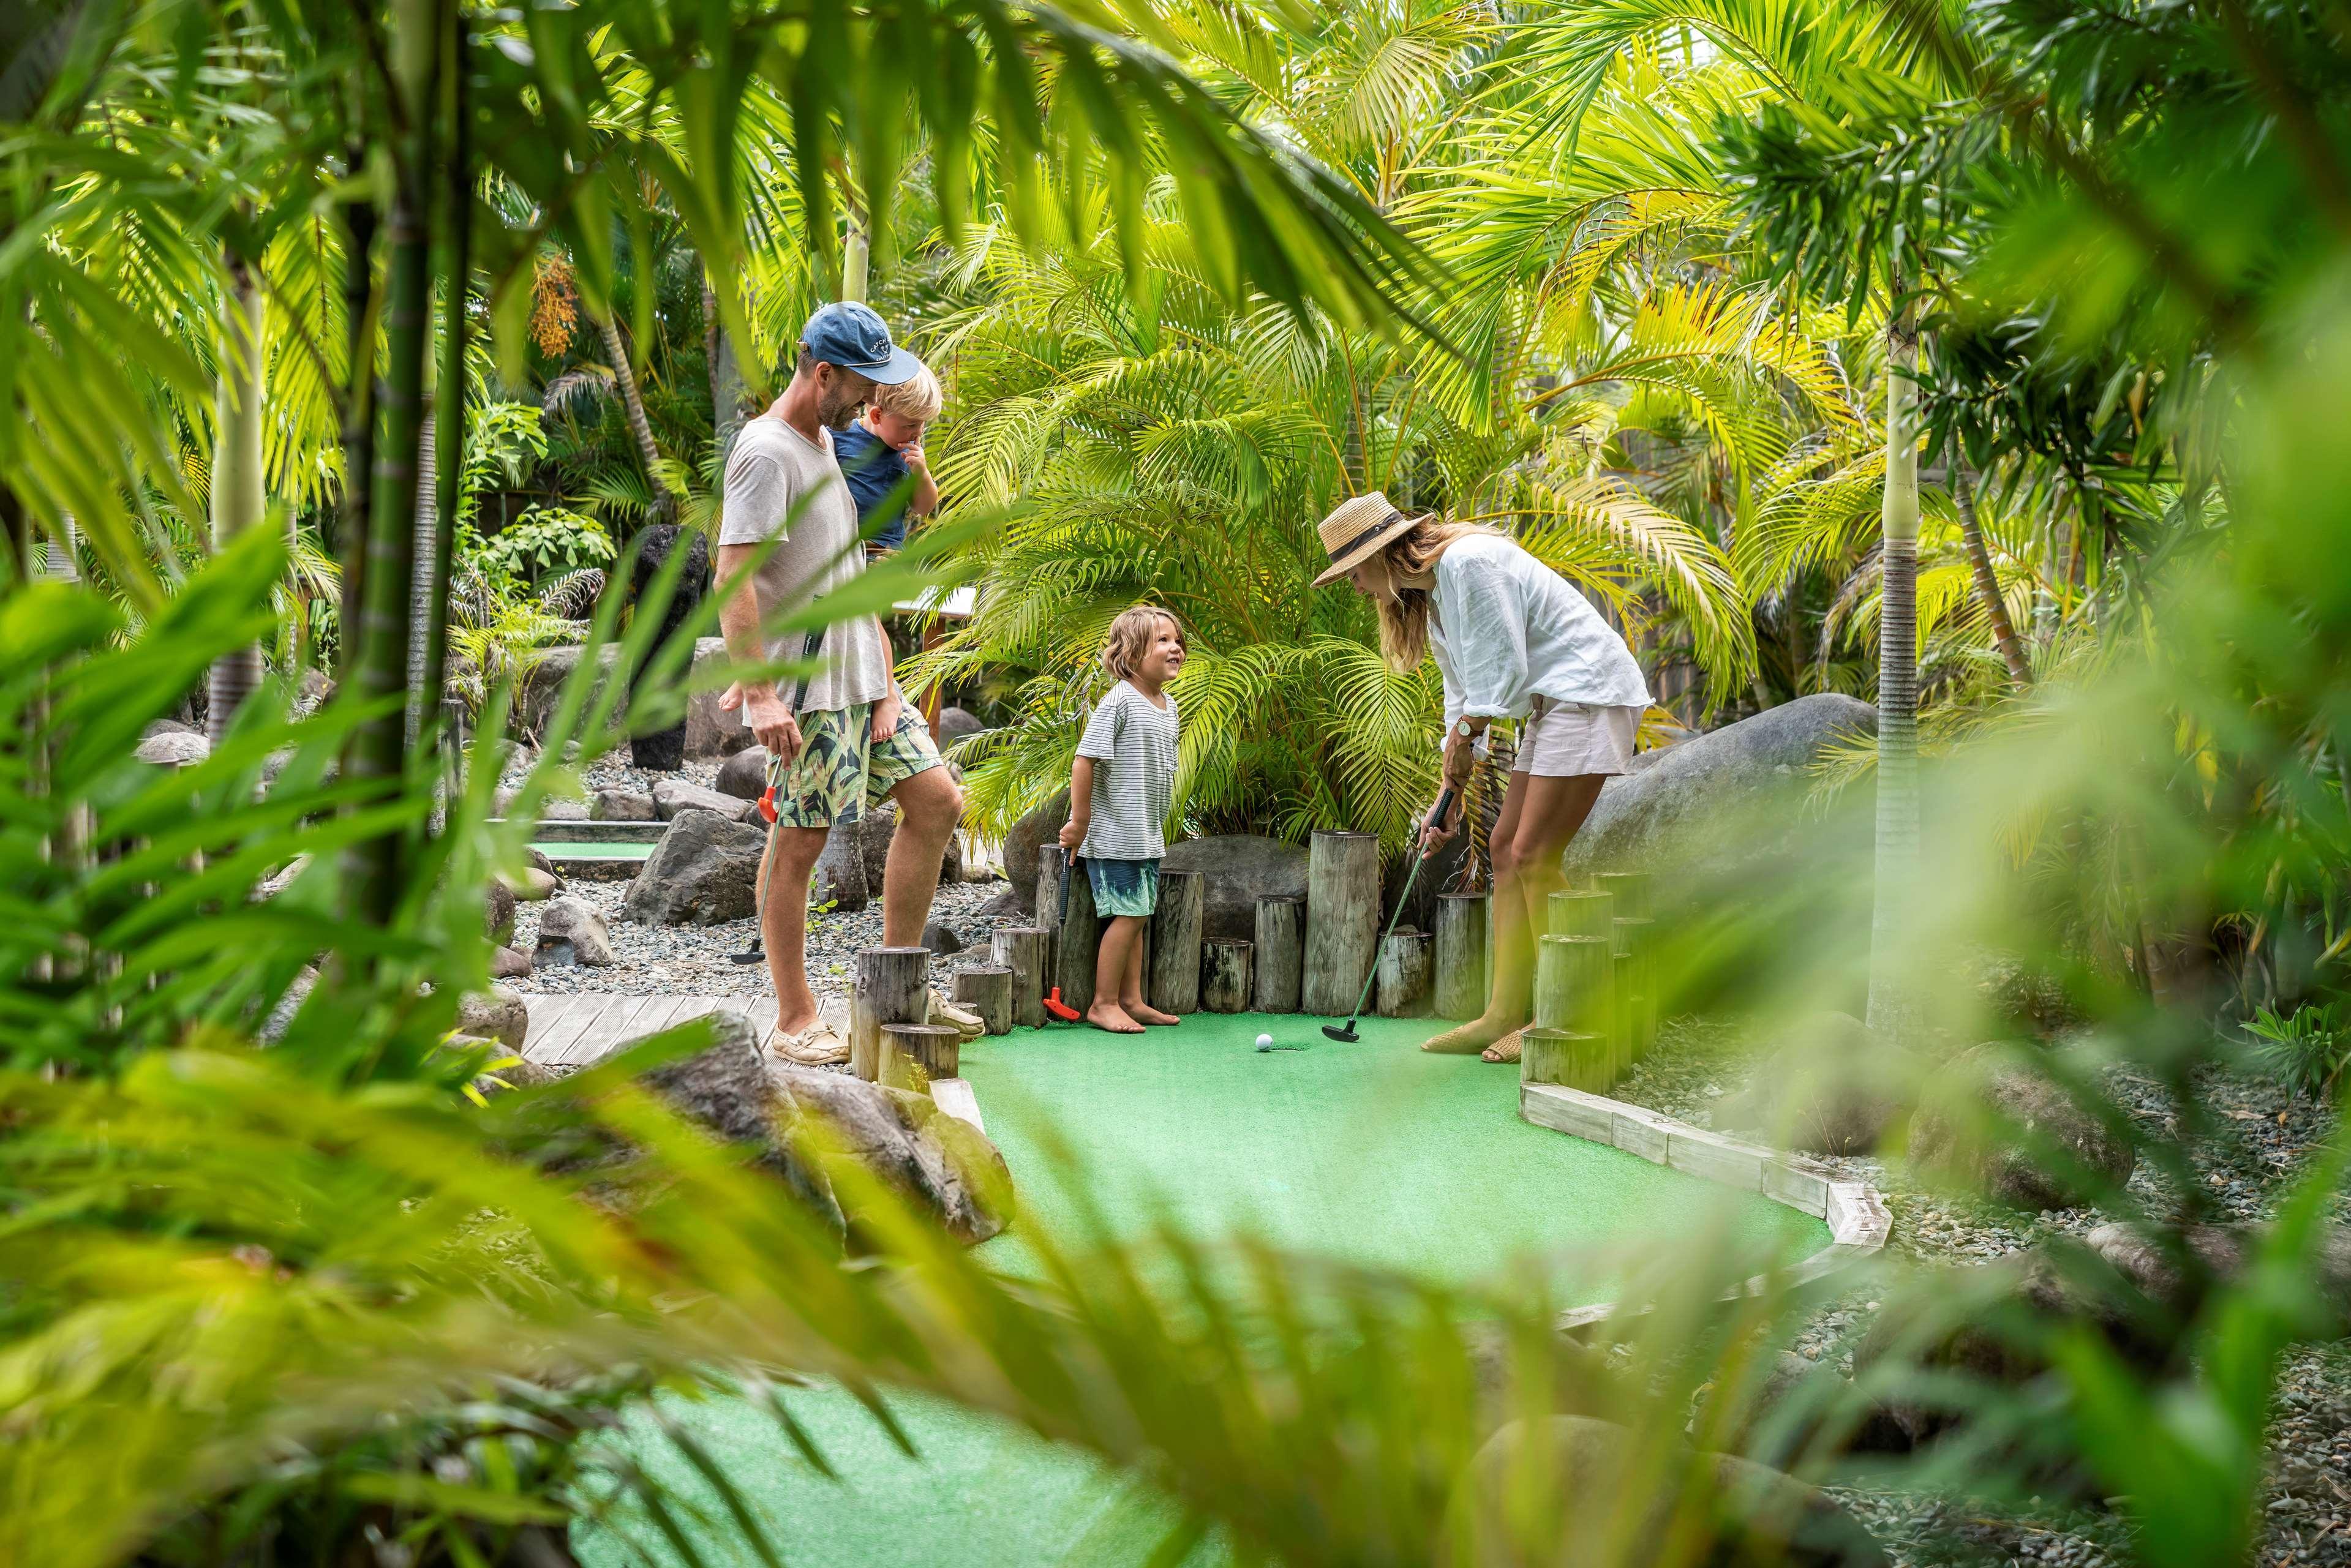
(540, 691)
(665, 750)
(1597, 1469)
(1997, 1125)
(2179, 1268)
(1721, 803)
(712, 731)
(744, 774)
(1035, 829)
(955, 724)
(672, 796)
(728, 1088)
(510, 964)
(1831, 1086)
(705, 872)
(875, 830)
(497, 1014)
(497, 910)
(1240, 869)
(172, 748)
(945, 1164)
(571, 932)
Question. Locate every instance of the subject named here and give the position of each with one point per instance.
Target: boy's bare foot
(1143, 1012)
(1468, 1039)
(1112, 1016)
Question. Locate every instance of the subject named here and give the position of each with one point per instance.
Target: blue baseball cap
(854, 337)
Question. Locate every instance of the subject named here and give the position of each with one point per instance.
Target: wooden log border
(1858, 1220)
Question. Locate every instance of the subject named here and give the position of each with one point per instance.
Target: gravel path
(2308, 1506)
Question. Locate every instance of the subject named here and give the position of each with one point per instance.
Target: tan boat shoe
(969, 1024)
(816, 1046)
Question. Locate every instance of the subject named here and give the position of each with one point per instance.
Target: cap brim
(901, 367)
(1362, 550)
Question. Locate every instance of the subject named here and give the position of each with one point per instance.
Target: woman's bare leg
(1551, 812)
(1122, 940)
(1495, 1021)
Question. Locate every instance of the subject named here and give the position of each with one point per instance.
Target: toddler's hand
(1072, 835)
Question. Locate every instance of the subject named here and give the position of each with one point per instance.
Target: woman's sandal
(1505, 1048)
(1459, 1041)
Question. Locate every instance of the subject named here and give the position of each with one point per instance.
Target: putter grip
(1069, 870)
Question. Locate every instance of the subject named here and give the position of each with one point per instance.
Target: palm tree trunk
(726, 375)
(445, 437)
(236, 489)
(424, 550)
(1893, 1006)
(358, 421)
(2003, 630)
(633, 399)
(375, 867)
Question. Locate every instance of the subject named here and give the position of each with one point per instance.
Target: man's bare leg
(1121, 938)
(929, 806)
(784, 870)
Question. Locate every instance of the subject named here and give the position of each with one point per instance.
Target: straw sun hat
(1355, 528)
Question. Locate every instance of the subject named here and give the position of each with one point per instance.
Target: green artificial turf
(1375, 1152)
(597, 850)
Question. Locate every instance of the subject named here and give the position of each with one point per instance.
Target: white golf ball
(1264, 1041)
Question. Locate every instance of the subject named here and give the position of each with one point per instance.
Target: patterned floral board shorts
(1124, 887)
(840, 771)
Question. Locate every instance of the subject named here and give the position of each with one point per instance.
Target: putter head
(1345, 1032)
(753, 957)
(1060, 1008)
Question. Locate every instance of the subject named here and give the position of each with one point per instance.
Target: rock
(539, 691)
(665, 750)
(1981, 1118)
(497, 910)
(622, 806)
(1027, 835)
(1766, 1517)
(941, 939)
(744, 774)
(728, 1088)
(877, 827)
(955, 724)
(313, 691)
(948, 1165)
(2220, 1254)
(173, 748)
(1722, 802)
(703, 872)
(532, 883)
(510, 964)
(1830, 1087)
(571, 932)
(1241, 869)
(711, 730)
(1802, 1405)
(497, 1014)
(166, 726)
(1005, 904)
(556, 810)
(672, 796)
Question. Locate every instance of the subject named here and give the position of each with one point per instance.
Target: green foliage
(547, 541)
(2307, 1049)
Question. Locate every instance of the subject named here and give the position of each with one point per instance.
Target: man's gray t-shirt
(773, 470)
(1133, 743)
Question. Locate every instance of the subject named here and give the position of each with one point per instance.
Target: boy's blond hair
(917, 398)
(1130, 638)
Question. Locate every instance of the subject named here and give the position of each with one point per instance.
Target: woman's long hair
(1403, 625)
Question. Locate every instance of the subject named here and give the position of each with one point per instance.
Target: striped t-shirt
(1133, 743)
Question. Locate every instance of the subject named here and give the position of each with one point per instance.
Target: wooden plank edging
(1855, 1212)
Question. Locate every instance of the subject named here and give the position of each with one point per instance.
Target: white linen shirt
(1506, 628)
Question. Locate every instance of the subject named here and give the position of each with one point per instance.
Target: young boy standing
(1119, 788)
(881, 447)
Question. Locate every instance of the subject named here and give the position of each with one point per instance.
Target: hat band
(1365, 532)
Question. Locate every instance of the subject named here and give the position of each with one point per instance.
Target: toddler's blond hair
(1130, 637)
(916, 398)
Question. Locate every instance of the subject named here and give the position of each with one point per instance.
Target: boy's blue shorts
(1124, 887)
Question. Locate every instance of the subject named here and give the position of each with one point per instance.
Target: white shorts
(1566, 739)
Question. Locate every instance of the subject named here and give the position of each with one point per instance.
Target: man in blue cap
(854, 741)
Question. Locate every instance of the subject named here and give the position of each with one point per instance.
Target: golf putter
(1053, 1003)
(1444, 808)
(757, 953)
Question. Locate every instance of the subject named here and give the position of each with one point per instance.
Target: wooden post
(1174, 968)
(1024, 949)
(1571, 985)
(989, 993)
(1280, 948)
(1563, 1057)
(1582, 915)
(1406, 961)
(892, 987)
(1460, 954)
(913, 1054)
(1078, 944)
(1630, 889)
(1343, 921)
(1637, 991)
(1225, 977)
